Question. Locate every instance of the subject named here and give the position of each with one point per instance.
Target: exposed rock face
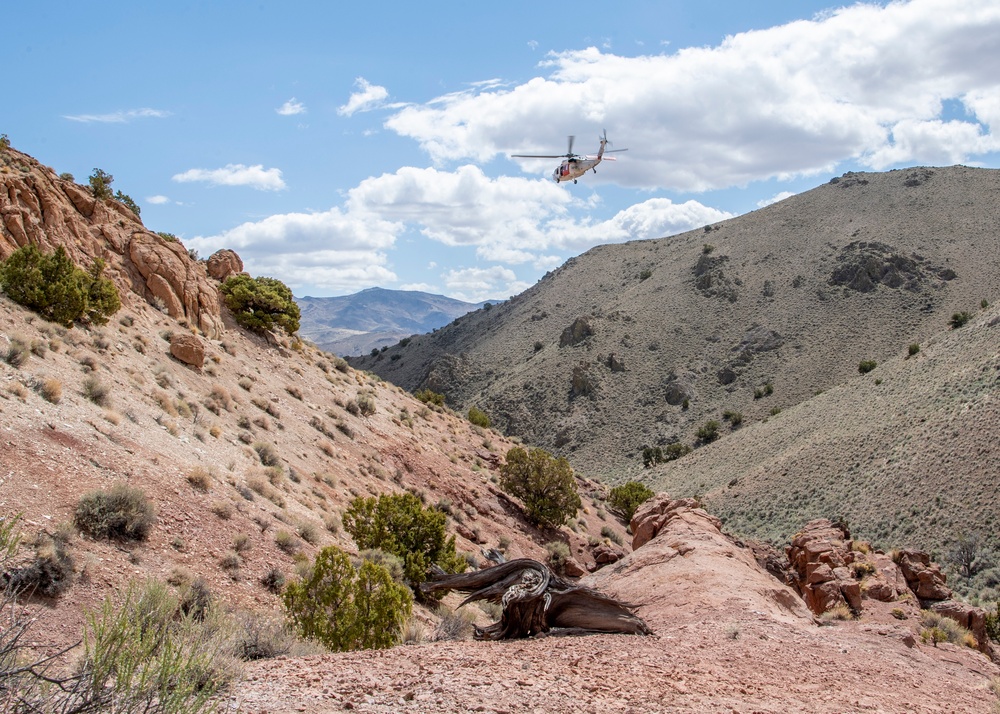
(576, 333)
(656, 513)
(179, 282)
(224, 263)
(829, 569)
(188, 348)
(38, 207)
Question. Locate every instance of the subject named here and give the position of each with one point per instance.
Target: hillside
(909, 453)
(251, 451)
(641, 344)
(374, 318)
(85, 408)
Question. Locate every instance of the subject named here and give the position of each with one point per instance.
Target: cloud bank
(235, 175)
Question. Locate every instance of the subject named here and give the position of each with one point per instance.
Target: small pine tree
(100, 185)
(625, 499)
(544, 483)
(345, 608)
(399, 524)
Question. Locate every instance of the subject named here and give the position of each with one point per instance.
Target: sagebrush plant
(478, 417)
(18, 352)
(123, 512)
(399, 524)
(625, 499)
(709, 431)
(866, 365)
(96, 391)
(544, 483)
(429, 397)
(347, 608)
(261, 304)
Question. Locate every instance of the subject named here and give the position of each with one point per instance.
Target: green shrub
(652, 455)
(611, 534)
(624, 499)
(4, 142)
(709, 431)
(479, 418)
(399, 524)
(867, 365)
(734, 418)
(344, 608)
(913, 349)
(49, 573)
(544, 483)
(960, 318)
(428, 397)
(96, 391)
(123, 513)
(52, 286)
(261, 304)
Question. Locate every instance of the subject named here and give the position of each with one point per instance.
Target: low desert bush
(122, 513)
(18, 352)
(709, 431)
(96, 391)
(347, 608)
(938, 628)
(429, 397)
(960, 318)
(867, 365)
(50, 390)
(479, 418)
(200, 479)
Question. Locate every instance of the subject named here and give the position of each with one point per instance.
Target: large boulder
(188, 348)
(223, 263)
(653, 515)
(924, 577)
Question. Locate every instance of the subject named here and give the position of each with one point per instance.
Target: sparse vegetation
(959, 319)
(913, 349)
(51, 285)
(429, 397)
(399, 524)
(479, 418)
(347, 608)
(866, 365)
(709, 431)
(544, 483)
(122, 513)
(625, 499)
(261, 304)
(51, 390)
(652, 455)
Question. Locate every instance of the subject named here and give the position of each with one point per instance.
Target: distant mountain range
(375, 318)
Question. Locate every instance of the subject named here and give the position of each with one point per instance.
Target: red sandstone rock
(188, 349)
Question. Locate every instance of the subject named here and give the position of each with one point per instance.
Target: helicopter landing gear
(574, 180)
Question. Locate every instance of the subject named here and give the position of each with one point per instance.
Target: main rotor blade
(537, 156)
(613, 151)
(569, 151)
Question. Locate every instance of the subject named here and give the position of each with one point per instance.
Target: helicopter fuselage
(572, 169)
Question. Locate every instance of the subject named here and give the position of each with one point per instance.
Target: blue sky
(339, 146)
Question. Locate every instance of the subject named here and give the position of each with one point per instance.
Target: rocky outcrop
(179, 282)
(655, 514)
(830, 570)
(223, 263)
(39, 207)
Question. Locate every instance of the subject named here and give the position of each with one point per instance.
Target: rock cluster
(830, 570)
(654, 515)
(38, 207)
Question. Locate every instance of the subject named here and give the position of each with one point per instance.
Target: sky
(341, 146)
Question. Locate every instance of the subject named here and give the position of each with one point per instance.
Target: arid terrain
(84, 408)
(640, 345)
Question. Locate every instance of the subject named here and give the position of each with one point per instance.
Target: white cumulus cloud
(478, 284)
(235, 175)
(864, 83)
(291, 108)
(157, 200)
(369, 96)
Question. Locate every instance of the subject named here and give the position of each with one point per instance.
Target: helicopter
(573, 165)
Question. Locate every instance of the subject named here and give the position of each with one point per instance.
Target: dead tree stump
(536, 600)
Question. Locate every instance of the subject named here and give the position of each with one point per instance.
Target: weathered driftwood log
(535, 600)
